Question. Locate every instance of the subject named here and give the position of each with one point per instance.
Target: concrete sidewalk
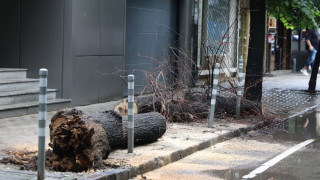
(179, 141)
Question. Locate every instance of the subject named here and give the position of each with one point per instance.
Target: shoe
(304, 72)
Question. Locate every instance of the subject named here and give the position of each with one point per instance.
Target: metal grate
(278, 101)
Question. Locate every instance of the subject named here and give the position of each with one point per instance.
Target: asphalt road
(288, 150)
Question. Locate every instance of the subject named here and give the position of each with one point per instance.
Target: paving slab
(179, 141)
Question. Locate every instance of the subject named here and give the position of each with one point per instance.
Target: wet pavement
(236, 158)
(285, 91)
(300, 128)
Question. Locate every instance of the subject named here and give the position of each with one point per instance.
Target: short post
(239, 89)
(294, 64)
(42, 121)
(130, 125)
(214, 93)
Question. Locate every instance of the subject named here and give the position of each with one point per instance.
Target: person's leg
(306, 64)
(313, 57)
(309, 60)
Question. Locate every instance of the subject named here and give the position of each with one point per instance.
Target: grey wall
(151, 27)
(9, 33)
(81, 42)
(98, 35)
(41, 39)
(37, 34)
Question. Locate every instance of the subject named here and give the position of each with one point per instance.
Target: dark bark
(288, 49)
(80, 142)
(76, 141)
(254, 69)
(284, 42)
(148, 127)
(111, 122)
(148, 104)
(196, 106)
(227, 106)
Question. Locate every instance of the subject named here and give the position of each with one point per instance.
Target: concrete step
(20, 109)
(14, 97)
(11, 73)
(18, 84)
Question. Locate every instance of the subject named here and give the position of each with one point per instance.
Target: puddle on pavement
(300, 128)
(238, 174)
(297, 129)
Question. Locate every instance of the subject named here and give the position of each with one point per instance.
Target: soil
(27, 160)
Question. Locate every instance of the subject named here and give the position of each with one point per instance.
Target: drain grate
(278, 101)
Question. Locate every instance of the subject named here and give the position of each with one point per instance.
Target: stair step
(18, 84)
(11, 73)
(21, 109)
(14, 97)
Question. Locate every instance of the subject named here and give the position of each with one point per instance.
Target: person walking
(312, 40)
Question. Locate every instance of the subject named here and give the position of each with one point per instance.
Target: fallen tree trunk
(76, 142)
(198, 107)
(142, 105)
(148, 127)
(149, 104)
(79, 142)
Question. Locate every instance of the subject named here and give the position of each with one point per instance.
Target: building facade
(89, 46)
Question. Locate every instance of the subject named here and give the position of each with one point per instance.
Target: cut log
(111, 123)
(79, 142)
(122, 108)
(141, 105)
(76, 141)
(148, 127)
(148, 104)
(226, 106)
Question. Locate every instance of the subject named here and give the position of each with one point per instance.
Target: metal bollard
(42, 121)
(130, 113)
(239, 90)
(214, 93)
(294, 64)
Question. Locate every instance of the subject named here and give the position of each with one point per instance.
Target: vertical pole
(214, 93)
(42, 121)
(239, 90)
(317, 121)
(199, 33)
(294, 68)
(130, 125)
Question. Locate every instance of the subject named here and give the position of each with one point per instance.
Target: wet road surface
(291, 150)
